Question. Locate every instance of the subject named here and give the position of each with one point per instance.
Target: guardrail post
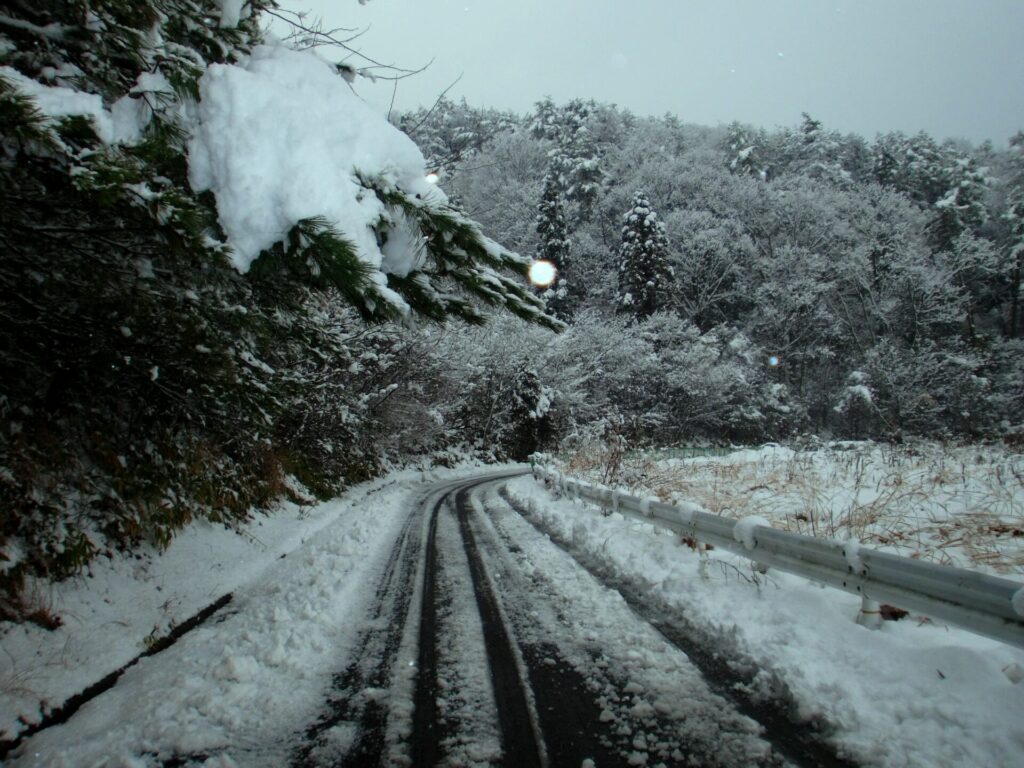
(702, 553)
(870, 615)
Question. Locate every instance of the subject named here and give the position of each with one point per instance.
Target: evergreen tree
(449, 134)
(554, 246)
(573, 155)
(644, 271)
(819, 152)
(911, 165)
(742, 147)
(573, 182)
(580, 158)
(144, 381)
(528, 419)
(546, 122)
(1015, 253)
(961, 208)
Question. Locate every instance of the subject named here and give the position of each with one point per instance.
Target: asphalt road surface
(476, 639)
(526, 656)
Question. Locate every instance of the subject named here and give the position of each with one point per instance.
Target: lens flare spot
(542, 273)
(432, 178)
(773, 361)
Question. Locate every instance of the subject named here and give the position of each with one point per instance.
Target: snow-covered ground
(914, 693)
(295, 575)
(911, 694)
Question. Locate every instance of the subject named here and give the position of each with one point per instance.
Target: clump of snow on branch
(282, 138)
(123, 123)
(232, 11)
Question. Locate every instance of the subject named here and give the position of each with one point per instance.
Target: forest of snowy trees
(739, 284)
(714, 284)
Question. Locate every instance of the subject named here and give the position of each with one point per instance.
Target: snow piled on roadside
(910, 694)
(281, 138)
(296, 576)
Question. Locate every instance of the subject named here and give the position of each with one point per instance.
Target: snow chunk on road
(743, 532)
(281, 138)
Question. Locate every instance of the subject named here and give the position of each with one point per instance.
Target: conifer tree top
(644, 270)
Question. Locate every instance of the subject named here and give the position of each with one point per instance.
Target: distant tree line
(739, 284)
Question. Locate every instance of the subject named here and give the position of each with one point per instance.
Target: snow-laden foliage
(897, 260)
(571, 187)
(555, 247)
(195, 225)
(644, 270)
(450, 133)
(176, 350)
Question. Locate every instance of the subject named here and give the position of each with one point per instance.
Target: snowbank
(279, 564)
(914, 693)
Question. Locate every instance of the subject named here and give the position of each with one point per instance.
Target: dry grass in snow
(960, 505)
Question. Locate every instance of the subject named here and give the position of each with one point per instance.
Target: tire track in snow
(640, 700)
(430, 731)
(558, 699)
(426, 728)
(352, 730)
(739, 680)
(521, 744)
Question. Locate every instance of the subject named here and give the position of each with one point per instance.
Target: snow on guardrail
(986, 605)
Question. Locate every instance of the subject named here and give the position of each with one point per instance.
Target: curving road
(475, 639)
(524, 657)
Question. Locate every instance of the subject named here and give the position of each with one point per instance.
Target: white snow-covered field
(960, 505)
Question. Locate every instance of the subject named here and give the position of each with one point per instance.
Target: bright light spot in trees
(542, 273)
(773, 361)
(432, 178)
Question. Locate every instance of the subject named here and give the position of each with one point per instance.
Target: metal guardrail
(983, 604)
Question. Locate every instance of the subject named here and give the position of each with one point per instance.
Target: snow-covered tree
(708, 260)
(172, 250)
(451, 133)
(581, 158)
(819, 153)
(746, 151)
(645, 274)
(528, 425)
(1015, 258)
(855, 409)
(553, 245)
(574, 157)
(961, 209)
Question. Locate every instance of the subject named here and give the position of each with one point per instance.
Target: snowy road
(522, 658)
(446, 629)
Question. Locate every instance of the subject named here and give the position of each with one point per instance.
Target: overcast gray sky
(954, 68)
